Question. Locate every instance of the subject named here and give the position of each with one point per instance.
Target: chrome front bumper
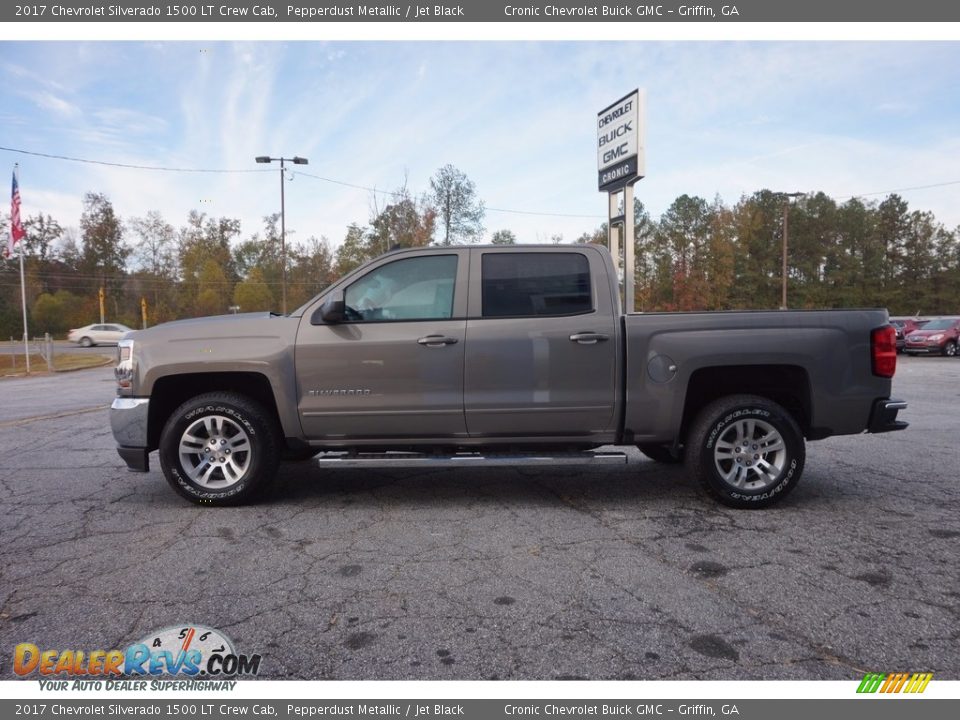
(128, 421)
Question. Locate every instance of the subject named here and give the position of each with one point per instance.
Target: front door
(394, 367)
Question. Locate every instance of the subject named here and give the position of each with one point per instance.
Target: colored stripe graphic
(919, 682)
(894, 683)
(870, 683)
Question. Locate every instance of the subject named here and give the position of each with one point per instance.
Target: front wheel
(219, 449)
(746, 451)
(950, 349)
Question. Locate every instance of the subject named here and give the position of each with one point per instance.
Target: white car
(104, 334)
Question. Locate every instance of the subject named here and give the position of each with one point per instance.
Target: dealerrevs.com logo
(887, 683)
(189, 650)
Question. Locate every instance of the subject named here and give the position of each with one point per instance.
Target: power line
(127, 165)
(260, 170)
(906, 189)
(395, 193)
(530, 212)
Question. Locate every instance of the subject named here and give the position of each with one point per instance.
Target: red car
(938, 337)
(904, 326)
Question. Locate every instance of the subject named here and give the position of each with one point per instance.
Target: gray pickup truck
(498, 355)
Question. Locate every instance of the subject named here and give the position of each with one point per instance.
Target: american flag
(16, 225)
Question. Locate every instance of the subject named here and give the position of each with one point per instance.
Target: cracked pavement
(526, 573)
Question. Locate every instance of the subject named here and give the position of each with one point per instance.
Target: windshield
(942, 324)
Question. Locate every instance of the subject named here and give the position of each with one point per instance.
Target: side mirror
(332, 311)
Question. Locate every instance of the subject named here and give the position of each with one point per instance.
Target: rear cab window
(535, 284)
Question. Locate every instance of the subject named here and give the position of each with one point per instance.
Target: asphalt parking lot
(527, 573)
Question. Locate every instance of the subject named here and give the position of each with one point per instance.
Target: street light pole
(783, 271)
(296, 160)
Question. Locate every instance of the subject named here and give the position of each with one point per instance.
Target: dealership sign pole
(620, 163)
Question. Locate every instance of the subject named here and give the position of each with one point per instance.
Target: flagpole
(23, 301)
(17, 235)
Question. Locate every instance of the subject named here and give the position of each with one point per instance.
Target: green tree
(684, 230)
(311, 270)
(354, 251)
(252, 294)
(43, 232)
(200, 241)
(156, 257)
(757, 226)
(504, 237)
(459, 211)
(213, 289)
(103, 253)
(56, 313)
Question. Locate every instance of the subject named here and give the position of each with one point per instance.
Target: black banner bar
(212, 708)
(307, 11)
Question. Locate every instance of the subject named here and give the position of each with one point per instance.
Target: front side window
(531, 284)
(418, 288)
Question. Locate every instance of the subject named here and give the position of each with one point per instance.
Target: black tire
(950, 349)
(86, 342)
(238, 422)
(660, 453)
(720, 422)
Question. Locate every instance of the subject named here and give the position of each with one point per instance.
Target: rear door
(541, 344)
(394, 368)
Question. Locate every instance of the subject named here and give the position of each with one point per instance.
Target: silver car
(102, 334)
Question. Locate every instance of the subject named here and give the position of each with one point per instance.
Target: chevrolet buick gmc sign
(619, 143)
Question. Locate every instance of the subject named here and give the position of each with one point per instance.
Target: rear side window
(533, 284)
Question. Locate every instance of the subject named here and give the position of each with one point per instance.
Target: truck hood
(206, 327)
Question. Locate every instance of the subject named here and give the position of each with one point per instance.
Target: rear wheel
(86, 342)
(746, 451)
(219, 448)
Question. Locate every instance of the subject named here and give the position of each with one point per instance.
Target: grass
(61, 362)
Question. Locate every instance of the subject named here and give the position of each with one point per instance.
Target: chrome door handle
(437, 341)
(589, 338)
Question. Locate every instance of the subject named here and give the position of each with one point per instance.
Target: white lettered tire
(219, 449)
(746, 451)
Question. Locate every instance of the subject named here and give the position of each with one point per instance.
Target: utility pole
(783, 270)
(296, 160)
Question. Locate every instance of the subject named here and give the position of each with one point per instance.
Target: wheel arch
(171, 391)
(786, 385)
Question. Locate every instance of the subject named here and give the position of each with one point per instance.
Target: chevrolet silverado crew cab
(498, 355)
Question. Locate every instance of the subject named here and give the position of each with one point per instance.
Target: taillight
(883, 351)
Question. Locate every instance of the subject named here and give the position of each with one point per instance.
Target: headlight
(125, 365)
(936, 338)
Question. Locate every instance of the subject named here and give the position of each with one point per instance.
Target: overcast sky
(726, 118)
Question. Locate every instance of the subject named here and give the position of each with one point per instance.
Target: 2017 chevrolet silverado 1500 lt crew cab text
(498, 355)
